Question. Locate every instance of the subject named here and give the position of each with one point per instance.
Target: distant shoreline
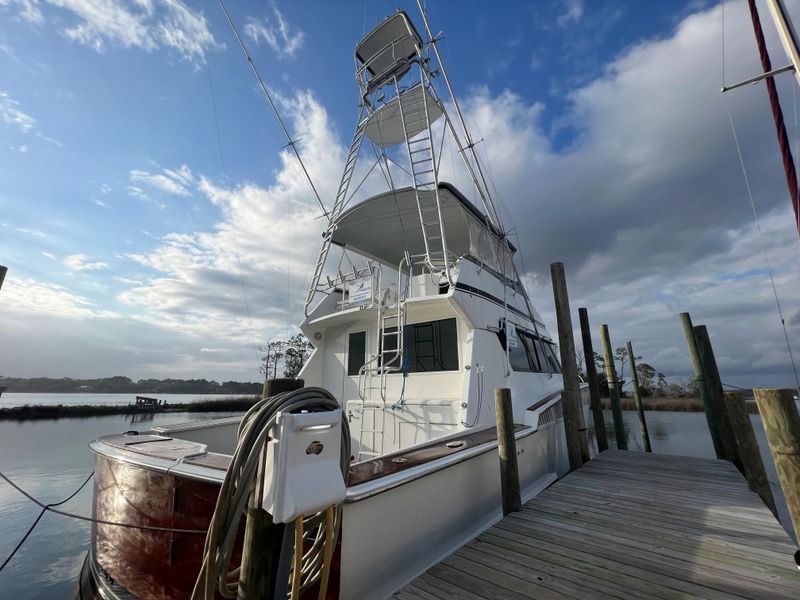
(670, 404)
(125, 385)
(63, 411)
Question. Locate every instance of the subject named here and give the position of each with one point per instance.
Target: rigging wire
(226, 179)
(291, 142)
(750, 196)
(763, 243)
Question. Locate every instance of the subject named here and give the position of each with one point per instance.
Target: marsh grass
(670, 404)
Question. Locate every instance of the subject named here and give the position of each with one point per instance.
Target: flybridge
(421, 223)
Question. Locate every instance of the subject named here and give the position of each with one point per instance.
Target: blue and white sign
(360, 291)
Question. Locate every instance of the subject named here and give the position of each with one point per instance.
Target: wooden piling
(594, 384)
(613, 389)
(747, 445)
(711, 414)
(714, 384)
(781, 423)
(507, 449)
(569, 370)
(637, 398)
(261, 549)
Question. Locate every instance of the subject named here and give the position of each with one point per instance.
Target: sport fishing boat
(417, 312)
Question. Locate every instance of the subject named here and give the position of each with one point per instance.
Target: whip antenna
(291, 143)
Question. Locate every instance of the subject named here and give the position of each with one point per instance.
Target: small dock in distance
(627, 525)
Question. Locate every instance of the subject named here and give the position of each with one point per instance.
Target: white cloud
(81, 262)
(573, 12)
(105, 188)
(265, 230)
(146, 24)
(28, 10)
(36, 297)
(30, 231)
(102, 204)
(276, 32)
(11, 113)
(175, 182)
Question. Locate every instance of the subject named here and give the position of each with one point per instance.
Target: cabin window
(552, 358)
(533, 354)
(356, 352)
(517, 353)
(534, 350)
(431, 346)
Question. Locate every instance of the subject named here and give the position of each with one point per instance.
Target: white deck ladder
(424, 175)
(341, 195)
(387, 359)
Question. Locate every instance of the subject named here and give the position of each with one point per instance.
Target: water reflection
(142, 417)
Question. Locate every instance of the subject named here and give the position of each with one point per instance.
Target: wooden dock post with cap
(711, 414)
(261, 548)
(781, 423)
(637, 397)
(747, 445)
(613, 389)
(507, 449)
(573, 407)
(714, 385)
(594, 385)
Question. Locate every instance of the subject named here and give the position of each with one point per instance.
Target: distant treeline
(125, 385)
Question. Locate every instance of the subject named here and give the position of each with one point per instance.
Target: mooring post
(711, 414)
(637, 398)
(781, 423)
(261, 548)
(747, 444)
(569, 369)
(714, 384)
(594, 384)
(613, 389)
(507, 449)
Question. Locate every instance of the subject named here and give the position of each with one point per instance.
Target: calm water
(8, 400)
(50, 459)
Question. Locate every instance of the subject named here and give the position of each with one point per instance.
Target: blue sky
(124, 244)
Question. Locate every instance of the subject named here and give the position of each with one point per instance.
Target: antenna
(291, 142)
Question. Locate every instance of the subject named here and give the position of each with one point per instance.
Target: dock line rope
(63, 513)
(51, 508)
(45, 508)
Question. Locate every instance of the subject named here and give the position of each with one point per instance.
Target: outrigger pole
(292, 143)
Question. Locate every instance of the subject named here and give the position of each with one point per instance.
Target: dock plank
(627, 525)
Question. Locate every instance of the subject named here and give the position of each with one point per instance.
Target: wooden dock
(627, 525)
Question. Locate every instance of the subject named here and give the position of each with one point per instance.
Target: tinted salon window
(431, 346)
(356, 352)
